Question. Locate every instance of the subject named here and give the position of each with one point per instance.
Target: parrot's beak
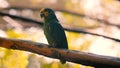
(42, 15)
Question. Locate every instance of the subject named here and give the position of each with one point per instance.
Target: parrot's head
(47, 14)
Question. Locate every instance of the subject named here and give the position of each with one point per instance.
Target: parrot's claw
(57, 54)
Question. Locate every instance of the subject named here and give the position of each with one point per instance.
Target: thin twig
(67, 29)
(69, 12)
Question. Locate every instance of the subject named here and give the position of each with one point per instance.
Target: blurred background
(95, 16)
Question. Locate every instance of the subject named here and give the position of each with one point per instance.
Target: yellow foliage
(44, 65)
(72, 38)
(76, 66)
(14, 59)
(85, 46)
(14, 34)
(79, 22)
(55, 65)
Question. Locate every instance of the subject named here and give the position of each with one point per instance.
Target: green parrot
(53, 31)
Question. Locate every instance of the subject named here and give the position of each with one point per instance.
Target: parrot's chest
(49, 33)
(48, 29)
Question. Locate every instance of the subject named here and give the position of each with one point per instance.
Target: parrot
(53, 31)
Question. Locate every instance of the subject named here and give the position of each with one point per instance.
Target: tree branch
(21, 18)
(90, 59)
(85, 32)
(68, 29)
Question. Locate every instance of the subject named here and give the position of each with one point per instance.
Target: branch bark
(90, 59)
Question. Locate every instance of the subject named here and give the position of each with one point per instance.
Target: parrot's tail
(63, 61)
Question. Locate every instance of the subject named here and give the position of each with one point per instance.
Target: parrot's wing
(58, 34)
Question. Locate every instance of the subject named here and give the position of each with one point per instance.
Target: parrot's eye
(44, 12)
